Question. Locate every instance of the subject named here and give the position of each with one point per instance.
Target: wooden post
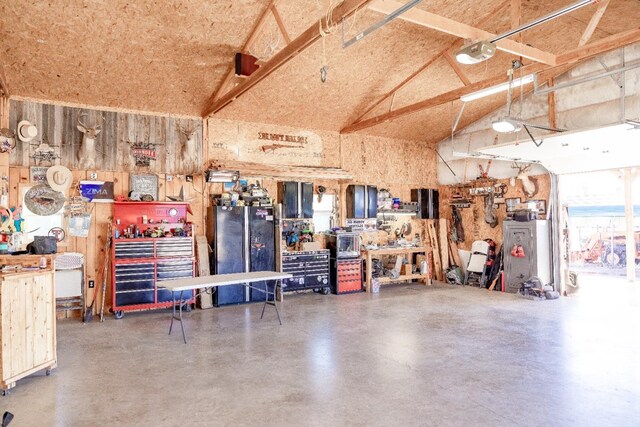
(629, 175)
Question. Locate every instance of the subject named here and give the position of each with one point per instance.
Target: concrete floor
(408, 356)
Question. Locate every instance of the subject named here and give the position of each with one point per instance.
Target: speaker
(427, 199)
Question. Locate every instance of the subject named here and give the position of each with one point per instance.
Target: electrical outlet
(92, 284)
(93, 175)
(169, 178)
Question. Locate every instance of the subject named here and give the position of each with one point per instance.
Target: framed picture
(541, 207)
(511, 203)
(38, 174)
(140, 185)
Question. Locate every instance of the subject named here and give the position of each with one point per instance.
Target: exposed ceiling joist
(604, 45)
(516, 16)
(455, 45)
(3, 82)
(229, 78)
(458, 29)
(593, 23)
(457, 69)
(302, 42)
(281, 27)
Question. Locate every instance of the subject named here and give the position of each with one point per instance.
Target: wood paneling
(58, 126)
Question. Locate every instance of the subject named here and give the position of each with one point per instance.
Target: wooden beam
(516, 16)
(455, 44)
(458, 29)
(551, 99)
(247, 47)
(604, 45)
(3, 82)
(457, 69)
(302, 42)
(278, 18)
(593, 23)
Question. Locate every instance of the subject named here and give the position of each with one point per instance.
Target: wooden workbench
(406, 252)
(27, 320)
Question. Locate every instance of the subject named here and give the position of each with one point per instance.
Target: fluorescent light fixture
(476, 52)
(506, 125)
(222, 176)
(497, 88)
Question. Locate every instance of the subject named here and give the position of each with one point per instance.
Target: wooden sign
(143, 153)
(144, 184)
(38, 174)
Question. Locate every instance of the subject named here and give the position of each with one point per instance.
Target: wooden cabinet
(28, 332)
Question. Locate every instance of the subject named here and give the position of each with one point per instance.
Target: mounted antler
(189, 160)
(529, 185)
(87, 154)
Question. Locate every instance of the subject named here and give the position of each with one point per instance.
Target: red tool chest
(347, 275)
(139, 265)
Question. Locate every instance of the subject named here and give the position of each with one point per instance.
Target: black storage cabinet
(362, 201)
(296, 199)
(427, 199)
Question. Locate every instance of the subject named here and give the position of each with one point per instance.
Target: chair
(476, 275)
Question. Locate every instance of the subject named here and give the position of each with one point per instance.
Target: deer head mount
(87, 154)
(529, 185)
(188, 151)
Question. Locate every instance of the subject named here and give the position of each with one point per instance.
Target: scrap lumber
(433, 239)
(443, 243)
(454, 251)
(202, 253)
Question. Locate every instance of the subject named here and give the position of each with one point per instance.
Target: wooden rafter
(3, 82)
(454, 45)
(516, 16)
(278, 18)
(593, 23)
(457, 69)
(458, 29)
(551, 99)
(302, 42)
(604, 45)
(229, 78)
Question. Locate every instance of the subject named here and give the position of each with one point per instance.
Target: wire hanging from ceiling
(328, 28)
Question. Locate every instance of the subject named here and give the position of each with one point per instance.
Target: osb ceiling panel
(358, 76)
(147, 55)
(170, 56)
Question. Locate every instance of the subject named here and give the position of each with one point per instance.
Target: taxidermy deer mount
(88, 154)
(189, 161)
(529, 185)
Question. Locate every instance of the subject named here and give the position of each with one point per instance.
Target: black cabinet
(362, 201)
(296, 199)
(427, 200)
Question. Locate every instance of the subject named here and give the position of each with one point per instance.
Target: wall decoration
(189, 148)
(512, 203)
(541, 207)
(143, 152)
(59, 127)
(38, 174)
(79, 225)
(97, 191)
(144, 184)
(7, 140)
(43, 200)
(88, 153)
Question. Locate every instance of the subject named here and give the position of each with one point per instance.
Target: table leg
(368, 279)
(173, 314)
(184, 337)
(272, 302)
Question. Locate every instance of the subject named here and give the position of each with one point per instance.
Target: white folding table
(208, 282)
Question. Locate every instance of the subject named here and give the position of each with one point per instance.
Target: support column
(629, 176)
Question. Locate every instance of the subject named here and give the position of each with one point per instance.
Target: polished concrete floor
(408, 356)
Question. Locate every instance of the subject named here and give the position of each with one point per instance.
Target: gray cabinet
(535, 257)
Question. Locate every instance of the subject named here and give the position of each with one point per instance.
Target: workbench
(402, 251)
(27, 320)
(178, 288)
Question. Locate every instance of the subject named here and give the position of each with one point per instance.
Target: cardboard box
(312, 246)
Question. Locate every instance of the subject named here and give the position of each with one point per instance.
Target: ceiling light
(506, 125)
(476, 52)
(497, 88)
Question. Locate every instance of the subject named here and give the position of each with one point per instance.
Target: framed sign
(144, 185)
(541, 207)
(38, 174)
(512, 203)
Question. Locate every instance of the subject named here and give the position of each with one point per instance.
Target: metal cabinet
(310, 270)
(535, 257)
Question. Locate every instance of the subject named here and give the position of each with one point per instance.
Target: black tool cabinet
(310, 270)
